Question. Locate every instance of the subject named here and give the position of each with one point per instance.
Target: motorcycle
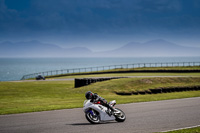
(96, 113)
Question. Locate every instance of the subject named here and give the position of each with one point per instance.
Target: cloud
(7, 16)
(105, 15)
(95, 18)
(93, 15)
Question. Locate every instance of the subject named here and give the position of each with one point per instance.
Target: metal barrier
(104, 68)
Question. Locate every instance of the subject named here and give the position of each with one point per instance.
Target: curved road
(57, 79)
(145, 117)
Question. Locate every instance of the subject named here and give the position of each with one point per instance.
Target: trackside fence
(104, 68)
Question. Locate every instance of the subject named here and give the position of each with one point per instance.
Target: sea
(12, 69)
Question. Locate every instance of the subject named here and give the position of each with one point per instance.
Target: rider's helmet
(88, 95)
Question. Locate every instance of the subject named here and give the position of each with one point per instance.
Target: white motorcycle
(96, 113)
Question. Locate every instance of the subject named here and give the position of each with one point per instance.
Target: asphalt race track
(145, 117)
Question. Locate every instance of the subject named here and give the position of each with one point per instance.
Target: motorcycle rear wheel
(121, 117)
(94, 119)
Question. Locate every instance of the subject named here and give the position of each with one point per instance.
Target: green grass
(20, 97)
(170, 68)
(190, 130)
(127, 74)
(140, 84)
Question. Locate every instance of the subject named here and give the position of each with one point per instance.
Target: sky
(100, 24)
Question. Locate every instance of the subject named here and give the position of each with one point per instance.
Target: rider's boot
(110, 110)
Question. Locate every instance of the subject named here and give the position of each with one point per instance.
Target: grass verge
(130, 74)
(21, 97)
(189, 130)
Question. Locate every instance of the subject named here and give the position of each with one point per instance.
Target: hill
(38, 49)
(153, 48)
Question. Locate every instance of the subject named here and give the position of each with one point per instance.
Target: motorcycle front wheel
(92, 118)
(121, 117)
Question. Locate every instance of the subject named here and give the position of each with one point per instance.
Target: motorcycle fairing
(101, 109)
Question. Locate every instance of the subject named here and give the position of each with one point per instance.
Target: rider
(95, 98)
